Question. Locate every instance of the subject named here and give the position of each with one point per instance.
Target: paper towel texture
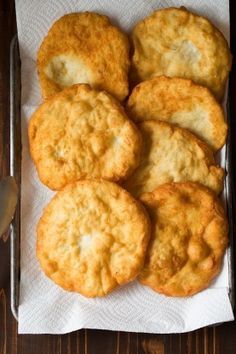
(44, 307)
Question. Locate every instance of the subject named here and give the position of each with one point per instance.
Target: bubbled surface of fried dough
(82, 133)
(84, 48)
(188, 239)
(176, 42)
(92, 237)
(172, 154)
(181, 102)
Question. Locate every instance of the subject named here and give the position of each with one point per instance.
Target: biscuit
(82, 133)
(181, 102)
(176, 42)
(84, 48)
(188, 239)
(172, 154)
(92, 237)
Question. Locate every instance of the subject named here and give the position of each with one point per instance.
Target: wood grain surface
(215, 340)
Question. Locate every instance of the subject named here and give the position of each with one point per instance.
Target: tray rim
(15, 171)
(15, 113)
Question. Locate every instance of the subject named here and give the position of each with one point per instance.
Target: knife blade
(8, 201)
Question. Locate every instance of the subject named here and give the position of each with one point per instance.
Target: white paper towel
(44, 307)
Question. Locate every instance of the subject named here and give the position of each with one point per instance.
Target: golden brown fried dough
(92, 237)
(82, 133)
(188, 240)
(176, 42)
(84, 48)
(181, 102)
(172, 154)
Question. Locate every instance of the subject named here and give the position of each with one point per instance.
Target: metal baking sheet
(15, 170)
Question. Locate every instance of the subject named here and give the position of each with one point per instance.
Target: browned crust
(216, 62)
(61, 274)
(51, 125)
(206, 244)
(99, 47)
(161, 98)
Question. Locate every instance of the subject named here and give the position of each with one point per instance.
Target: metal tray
(15, 170)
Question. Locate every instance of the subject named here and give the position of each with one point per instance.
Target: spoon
(8, 201)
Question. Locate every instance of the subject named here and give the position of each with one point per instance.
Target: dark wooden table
(215, 340)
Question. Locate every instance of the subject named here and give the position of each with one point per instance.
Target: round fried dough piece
(176, 42)
(82, 133)
(188, 239)
(181, 102)
(92, 237)
(172, 154)
(84, 48)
